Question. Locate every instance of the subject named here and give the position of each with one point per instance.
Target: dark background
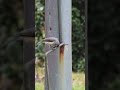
(16, 68)
(104, 44)
(11, 52)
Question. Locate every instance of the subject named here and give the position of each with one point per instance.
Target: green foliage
(39, 25)
(78, 33)
(78, 40)
(80, 66)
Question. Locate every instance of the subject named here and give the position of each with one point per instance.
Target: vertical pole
(52, 30)
(65, 37)
(58, 24)
(29, 47)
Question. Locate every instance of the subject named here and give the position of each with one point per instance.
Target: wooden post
(58, 24)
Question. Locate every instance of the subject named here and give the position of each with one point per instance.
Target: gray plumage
(52, 42)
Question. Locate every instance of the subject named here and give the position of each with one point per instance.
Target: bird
(53, 42)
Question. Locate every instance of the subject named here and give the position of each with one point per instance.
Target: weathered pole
(58, 25)
(65, 37)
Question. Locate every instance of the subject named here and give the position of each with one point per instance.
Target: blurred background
(104, 44)
(11, 54)
(78, 44)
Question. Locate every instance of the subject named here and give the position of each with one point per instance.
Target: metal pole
(65, 37)
(58, 25)
(52, 30)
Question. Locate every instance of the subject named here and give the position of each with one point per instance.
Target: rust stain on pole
(62, 53)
